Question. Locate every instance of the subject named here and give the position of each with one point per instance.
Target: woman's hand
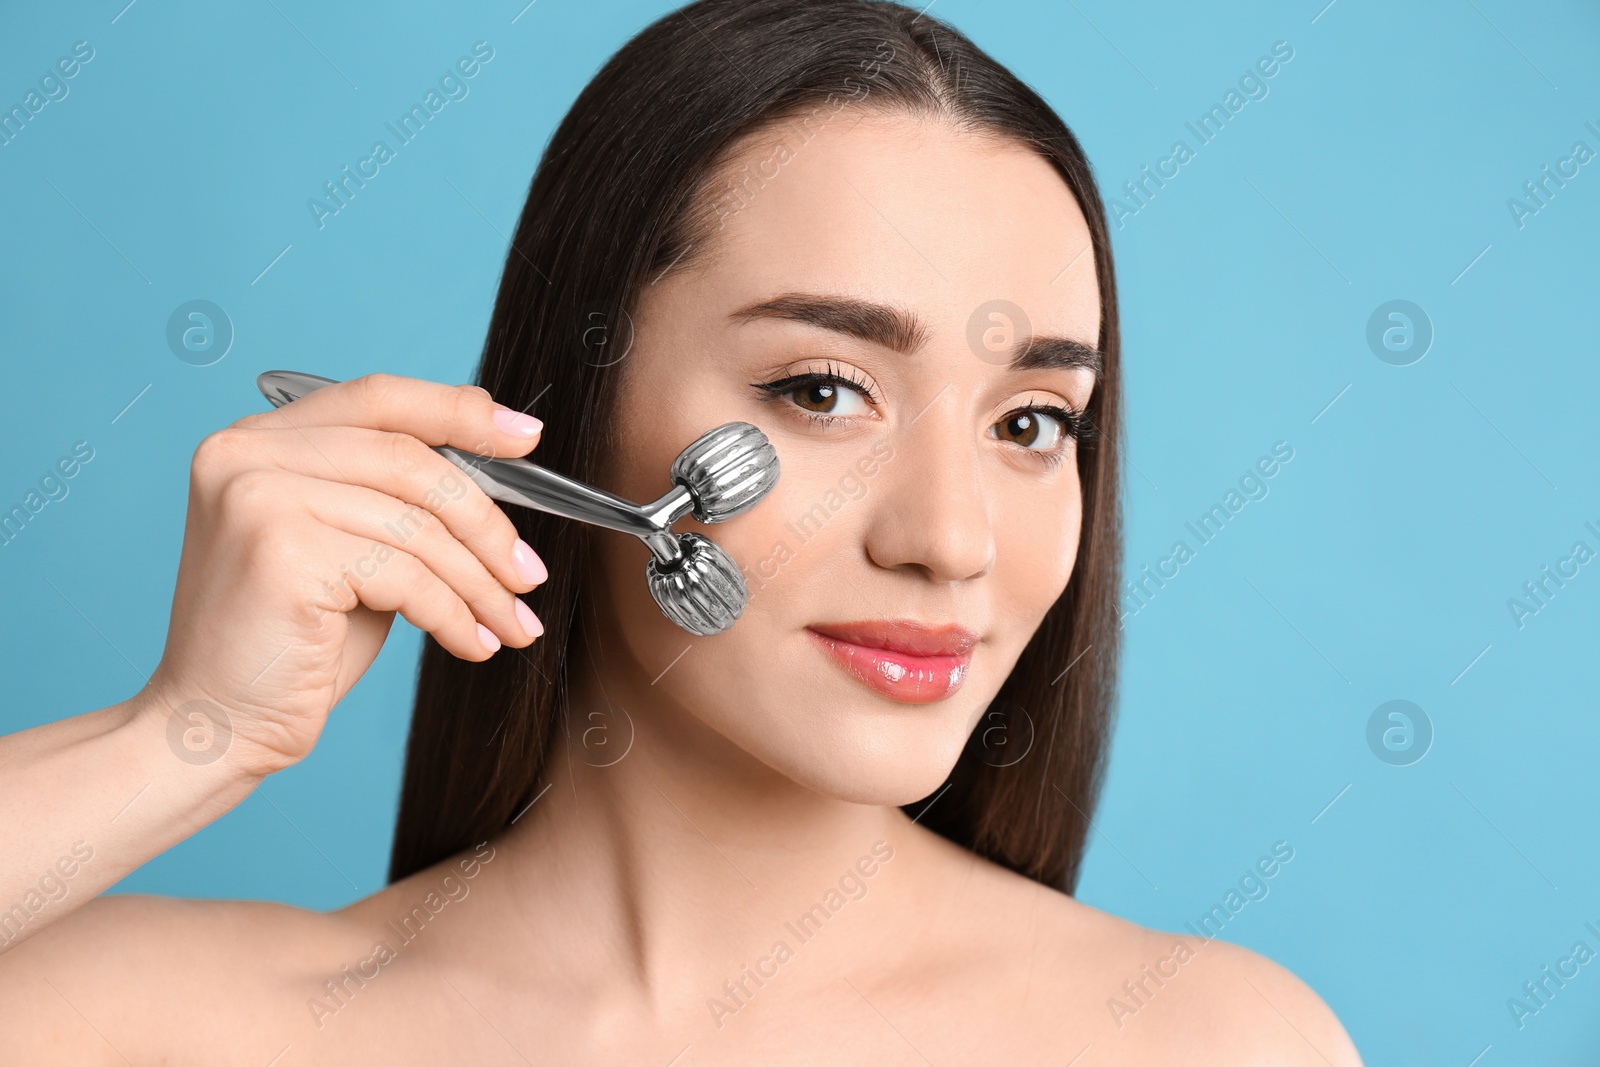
(309, 526)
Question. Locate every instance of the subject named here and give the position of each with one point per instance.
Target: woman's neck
(660, 852)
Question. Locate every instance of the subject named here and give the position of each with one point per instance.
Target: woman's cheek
(1037, 558)
(772, 541)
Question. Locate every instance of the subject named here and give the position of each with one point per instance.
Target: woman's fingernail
(486, 635)
(530, 622)
(516, 422)
(529, 567)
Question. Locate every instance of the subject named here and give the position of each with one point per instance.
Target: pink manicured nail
(529, 567)
(516, 422)
(530, 622)
(486, 635)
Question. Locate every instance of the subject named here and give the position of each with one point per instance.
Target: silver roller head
(727, 470)
(704, 592)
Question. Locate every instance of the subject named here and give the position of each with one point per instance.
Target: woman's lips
(932, 672)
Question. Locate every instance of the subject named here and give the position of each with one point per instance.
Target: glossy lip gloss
(905, 661)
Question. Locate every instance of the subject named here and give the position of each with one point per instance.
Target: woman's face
(900, 263)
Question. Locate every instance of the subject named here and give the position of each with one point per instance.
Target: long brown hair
(622, 194)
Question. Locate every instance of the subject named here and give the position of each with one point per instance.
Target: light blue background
(1378, 167)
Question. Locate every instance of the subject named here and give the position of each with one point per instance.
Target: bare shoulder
(1270, 1014)
(140, 978)
(132, 976)
(1160, 994)
(1138, 995)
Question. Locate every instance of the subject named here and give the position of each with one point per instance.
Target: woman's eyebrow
(901, 331)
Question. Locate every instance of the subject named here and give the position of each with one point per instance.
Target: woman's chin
(879, 767)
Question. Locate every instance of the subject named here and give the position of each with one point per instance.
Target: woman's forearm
(86, 800)
(289, 581)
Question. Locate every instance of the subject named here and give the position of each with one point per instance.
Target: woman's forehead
(911, 211)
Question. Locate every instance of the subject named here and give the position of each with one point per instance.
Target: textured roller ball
(727, 470)
(705, 593)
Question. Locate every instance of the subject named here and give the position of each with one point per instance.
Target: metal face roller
(723, 473)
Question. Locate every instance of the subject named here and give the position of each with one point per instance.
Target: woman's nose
(932, 507)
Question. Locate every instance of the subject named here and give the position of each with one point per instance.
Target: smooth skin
(712, 791)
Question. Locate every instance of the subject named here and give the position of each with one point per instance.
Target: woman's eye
(822, 396)
(1033, 428)
(828, 398)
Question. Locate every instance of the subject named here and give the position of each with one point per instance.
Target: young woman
(844, 830)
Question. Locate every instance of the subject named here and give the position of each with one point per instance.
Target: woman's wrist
(190, 743)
